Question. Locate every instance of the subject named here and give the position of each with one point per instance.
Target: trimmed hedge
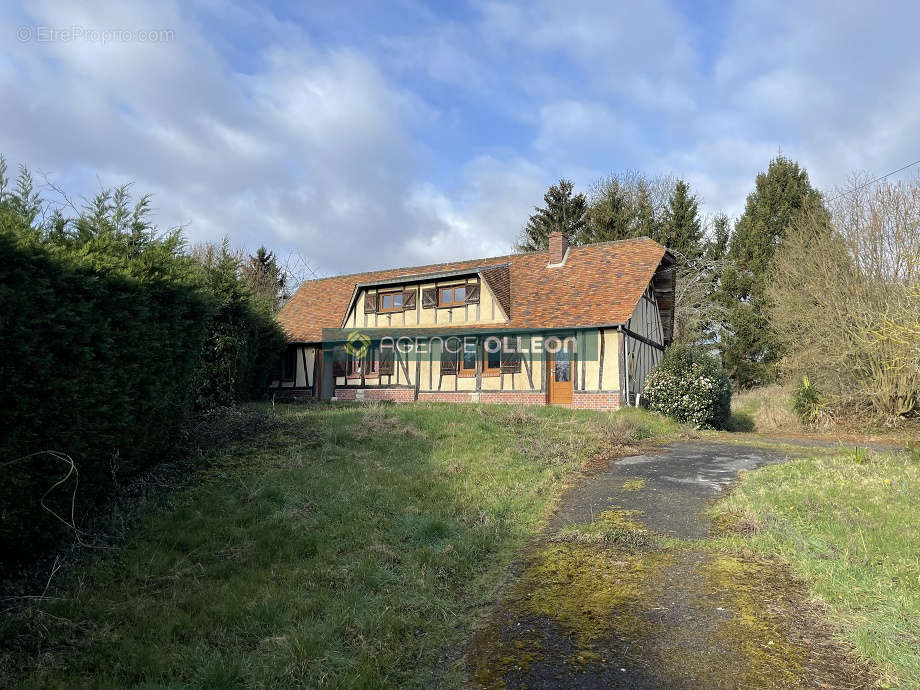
(690, 386)
(106, 367)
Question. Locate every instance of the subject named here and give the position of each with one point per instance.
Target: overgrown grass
(349, 546)
(847, 524)
(769, 410)
(766, 409)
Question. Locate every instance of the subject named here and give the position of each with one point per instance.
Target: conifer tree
(610, 214)
(266, 278)
(681, 231)
(626, 205)
(750, 348)
(564, 212)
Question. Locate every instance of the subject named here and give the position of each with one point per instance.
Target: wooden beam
(643, 339)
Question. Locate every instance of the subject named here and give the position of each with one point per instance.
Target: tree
(680, 230)
(610, 213)
(564, 212)
(647, 215)
(266, 278)
(697, 312)
(845, 298)
(716, 247)
(629, 204)
(23, 204)
(750, 348)
(626, 205)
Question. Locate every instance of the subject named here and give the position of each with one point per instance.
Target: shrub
(845, 298)
(690, 386)
(806, 401)
(110, 335)
(243, 341)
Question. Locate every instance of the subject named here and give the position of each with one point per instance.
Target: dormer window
(390, 301)
(452, 296)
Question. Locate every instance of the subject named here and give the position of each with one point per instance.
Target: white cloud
(640, 50)
(485, 216)
(835, 81)
(434, 138)
(313, 150)
(578, 130)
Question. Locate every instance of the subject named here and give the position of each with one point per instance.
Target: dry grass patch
(766, 409)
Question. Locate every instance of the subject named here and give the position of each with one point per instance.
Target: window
(387, 364)
(452, 296)
(339, 362)
(390, 301)
(493, 362)
(468, 361)
(368, 365)
(289, 364)
(511, 363)
(450, 350)
(355, 366)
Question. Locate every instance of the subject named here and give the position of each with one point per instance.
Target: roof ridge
(473, 261)
(410, 268)
(617, 271)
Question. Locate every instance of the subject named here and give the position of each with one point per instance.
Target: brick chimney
(558, 243)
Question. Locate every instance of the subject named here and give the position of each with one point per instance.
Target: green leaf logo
(357, 344)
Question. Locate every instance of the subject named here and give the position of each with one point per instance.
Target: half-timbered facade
(578, 326)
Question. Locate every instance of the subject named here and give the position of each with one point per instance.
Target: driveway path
(621, 593)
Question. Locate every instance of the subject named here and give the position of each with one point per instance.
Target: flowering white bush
(692, 387)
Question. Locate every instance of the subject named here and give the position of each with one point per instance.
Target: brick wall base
(513, 397)
(369, 394)
(290, 393)
(443, 396)
(590, 401)
(596, 401)
(492, 397)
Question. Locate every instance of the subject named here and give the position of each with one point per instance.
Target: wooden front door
(559, 376)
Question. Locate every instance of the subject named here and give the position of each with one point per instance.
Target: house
(580, 326)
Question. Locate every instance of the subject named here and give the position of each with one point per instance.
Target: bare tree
(697, 312)
(845, 298)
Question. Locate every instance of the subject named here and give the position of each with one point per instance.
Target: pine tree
(563, 212)
(716, 247)
(626, 205)
(750, 348)
(266, 279)
(23, 202)
(698, 313)
(646, 222)
(610, 214)
(680, 230)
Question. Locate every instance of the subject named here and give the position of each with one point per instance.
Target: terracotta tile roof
(498, 279)
(599, 284)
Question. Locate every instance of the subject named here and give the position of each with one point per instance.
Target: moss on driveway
(652, 606)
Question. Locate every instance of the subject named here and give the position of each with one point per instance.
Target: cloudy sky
(368, 134)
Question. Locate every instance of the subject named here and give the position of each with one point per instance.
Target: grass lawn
(848, 525)
(349, 546)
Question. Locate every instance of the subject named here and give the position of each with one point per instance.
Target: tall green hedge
(110, 335)
(96, 366)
